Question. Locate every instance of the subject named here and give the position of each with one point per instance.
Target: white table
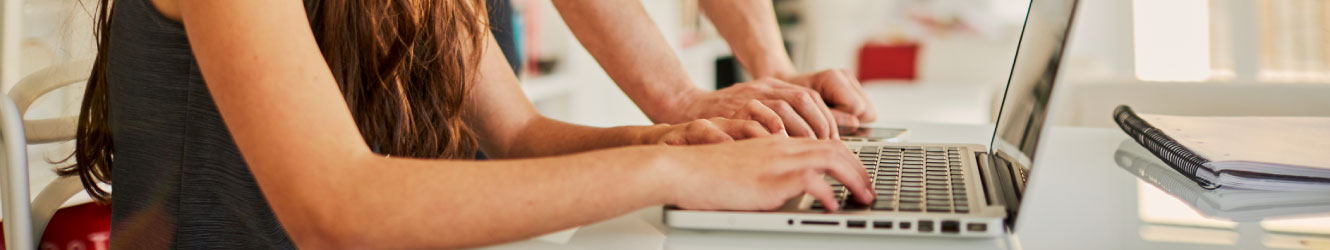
(1078, 199)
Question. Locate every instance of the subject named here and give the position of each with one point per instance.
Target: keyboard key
(883, 206)
(910, 207)
(937, 209)
(886, 190)
(854, 205)
(963, 209)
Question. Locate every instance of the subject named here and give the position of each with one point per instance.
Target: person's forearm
(546, 137)
(634, 53)
(749, 26)
(434, 203)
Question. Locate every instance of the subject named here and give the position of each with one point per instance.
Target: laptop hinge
(992, 191)
(1007, 183)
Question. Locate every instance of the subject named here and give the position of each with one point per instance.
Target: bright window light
(1172, 39)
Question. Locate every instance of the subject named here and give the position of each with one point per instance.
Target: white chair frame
(25, 220)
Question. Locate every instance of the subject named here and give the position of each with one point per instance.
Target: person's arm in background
(329, 190)
(749, 26)
(634, 53)
(498, 111)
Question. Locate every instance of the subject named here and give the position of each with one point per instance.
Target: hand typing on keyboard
(910, 179)
(761, 174)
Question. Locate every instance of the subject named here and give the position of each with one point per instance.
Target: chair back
(24, 219)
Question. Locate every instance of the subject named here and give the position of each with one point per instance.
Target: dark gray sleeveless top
(179, 180)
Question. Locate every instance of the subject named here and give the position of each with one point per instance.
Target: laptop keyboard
(909, 179)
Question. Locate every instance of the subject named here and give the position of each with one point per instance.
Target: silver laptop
(961, 190)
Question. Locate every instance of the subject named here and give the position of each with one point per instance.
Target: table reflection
(1174, 209)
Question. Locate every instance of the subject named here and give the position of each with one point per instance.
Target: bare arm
(633, 52)
(749, 26)
(328, 190)
(499, 112)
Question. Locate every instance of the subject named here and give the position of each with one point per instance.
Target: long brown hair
(402, 65)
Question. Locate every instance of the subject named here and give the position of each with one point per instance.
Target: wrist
(671, 109)
(647, 135)
(663, 173)
(780, 74)
(773, 66)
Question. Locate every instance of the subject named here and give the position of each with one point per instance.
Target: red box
(897, 61)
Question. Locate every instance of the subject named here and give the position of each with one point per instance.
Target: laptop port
(882, 225)
(976, 227)
(819, 223)
(856, 224)
(951, 227)
(926, 226)
(905, 225)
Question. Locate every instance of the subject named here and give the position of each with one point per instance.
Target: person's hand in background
(635, 54)
(780, 107)
(842, 92)
(705, 131)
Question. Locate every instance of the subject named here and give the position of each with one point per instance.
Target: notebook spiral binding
(1170, 151)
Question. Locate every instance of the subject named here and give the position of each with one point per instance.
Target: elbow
(327, 238)
(329, 226)
(315, 215)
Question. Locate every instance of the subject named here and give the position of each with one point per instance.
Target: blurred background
(921, 61)
(947, 61)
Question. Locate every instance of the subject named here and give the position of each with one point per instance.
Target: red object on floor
(86, 226)
(898, 61)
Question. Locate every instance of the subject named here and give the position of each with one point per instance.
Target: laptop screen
(1025, 102)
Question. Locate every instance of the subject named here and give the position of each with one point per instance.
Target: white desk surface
(1078, 198)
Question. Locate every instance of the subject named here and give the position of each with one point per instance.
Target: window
(1232, 40)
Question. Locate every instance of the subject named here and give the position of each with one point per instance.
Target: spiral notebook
(1265, 153)
(1229, 203)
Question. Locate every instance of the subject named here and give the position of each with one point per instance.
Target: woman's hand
(705, 131)
(761, 174)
